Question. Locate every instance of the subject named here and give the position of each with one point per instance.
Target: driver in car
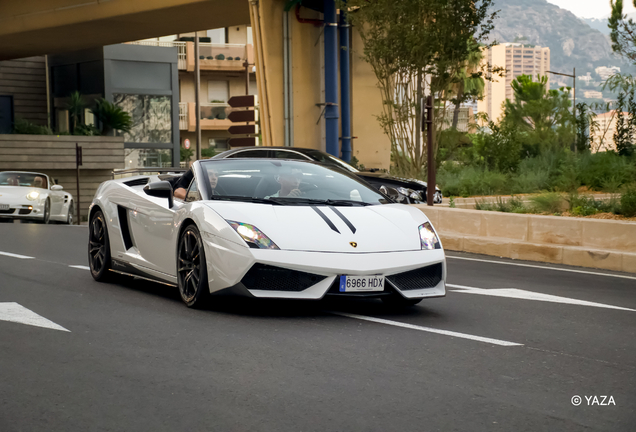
(289, 180)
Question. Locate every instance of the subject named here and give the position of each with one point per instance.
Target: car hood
(414, 184)
(378, 228)
(17, 193)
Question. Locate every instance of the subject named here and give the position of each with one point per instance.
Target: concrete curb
(602, 244)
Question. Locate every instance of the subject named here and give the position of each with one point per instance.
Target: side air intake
(122, 212)
(423, 277)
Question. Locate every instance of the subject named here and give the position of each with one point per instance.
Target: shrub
(628, 202)
(548, 202)
(86, 130)
(230, 58)
(22, 126)
(201, 57)
(208, 152)
(220, 57)
(209, 57)
(601, 168)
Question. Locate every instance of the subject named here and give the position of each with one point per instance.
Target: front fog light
(252, 236)
(428, 238)
(33, 195)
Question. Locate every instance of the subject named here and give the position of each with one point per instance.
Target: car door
(151, 228)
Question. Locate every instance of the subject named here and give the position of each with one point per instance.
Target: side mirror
(160, 189)
(56, 187)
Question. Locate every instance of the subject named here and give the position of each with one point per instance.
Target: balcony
(219, 57)
(213, 116)
(181, 49)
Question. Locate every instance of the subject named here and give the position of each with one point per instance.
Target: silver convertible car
(265, 228)
(33, 196)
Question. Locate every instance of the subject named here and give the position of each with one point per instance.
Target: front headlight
(252, 236)
(408, 192)
(33, 195)
(428, 238)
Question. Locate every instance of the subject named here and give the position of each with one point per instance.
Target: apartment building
(517, 59)
(603, 136)
(222, 54)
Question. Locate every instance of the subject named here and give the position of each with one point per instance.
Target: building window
(151, 117)
(218, 144)
(148, 157)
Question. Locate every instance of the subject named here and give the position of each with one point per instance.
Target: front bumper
(228, 264)
(23, 210)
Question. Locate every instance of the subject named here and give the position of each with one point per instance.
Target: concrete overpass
(290, 61)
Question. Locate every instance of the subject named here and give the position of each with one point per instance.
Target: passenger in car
(289, 180)
(182, 185)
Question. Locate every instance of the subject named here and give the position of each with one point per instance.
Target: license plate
(361, 283)
(4, 206)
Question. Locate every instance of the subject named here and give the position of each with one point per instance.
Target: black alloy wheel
(99, 248)
(192, 273)
(47, 212)
(71, 212)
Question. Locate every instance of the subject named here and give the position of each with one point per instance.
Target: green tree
(407, 40)
(75, 107)
(541, 116)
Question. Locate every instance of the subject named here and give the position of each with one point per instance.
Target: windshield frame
(200, 168)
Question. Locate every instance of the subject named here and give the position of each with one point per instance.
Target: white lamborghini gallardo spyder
(265, 228)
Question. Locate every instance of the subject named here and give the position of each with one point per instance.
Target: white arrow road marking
(530, 295)
(16, 255)
(15, 312)
(428, 329)
(80, 267)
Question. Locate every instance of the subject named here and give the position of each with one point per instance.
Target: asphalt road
(135, 358)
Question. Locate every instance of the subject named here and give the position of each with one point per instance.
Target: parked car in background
(411, 191)
(33, 196)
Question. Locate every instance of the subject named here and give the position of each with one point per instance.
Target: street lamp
(573, 76)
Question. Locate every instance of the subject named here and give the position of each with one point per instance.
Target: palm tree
(75, 107)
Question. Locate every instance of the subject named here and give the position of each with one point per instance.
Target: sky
(591, 8)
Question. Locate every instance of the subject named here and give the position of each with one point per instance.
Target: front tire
(71, 211)
(46, 218)
(99, 248)
(192, 272)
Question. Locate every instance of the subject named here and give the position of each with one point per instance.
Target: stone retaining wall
(605, 244)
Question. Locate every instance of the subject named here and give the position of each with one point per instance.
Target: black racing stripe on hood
(344, 219)
(326, 219)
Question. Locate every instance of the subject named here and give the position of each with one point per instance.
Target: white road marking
(530, 295)
(15, 312)
(16, 255)
(81, 267)
(543, 267)
(429, 329)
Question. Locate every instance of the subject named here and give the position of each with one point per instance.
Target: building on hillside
(22, 92)
(592, 94)
(605, 72)
(602, 139)
(222, 54)
(517, 59)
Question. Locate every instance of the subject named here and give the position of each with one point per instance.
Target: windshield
(285, 182)
(23, 179)
(328, 159)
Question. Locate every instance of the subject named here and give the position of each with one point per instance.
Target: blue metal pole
(345, 83)
(331, 78)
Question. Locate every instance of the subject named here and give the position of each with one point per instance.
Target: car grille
(24, 211)
(10, 211)
(424, 277)
(270, 278)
